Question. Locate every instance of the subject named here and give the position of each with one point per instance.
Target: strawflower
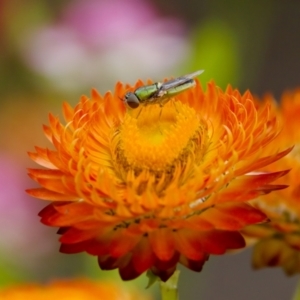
(147, 189)
(79, 289)
(277, 243)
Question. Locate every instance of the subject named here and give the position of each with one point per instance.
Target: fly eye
(132, 100)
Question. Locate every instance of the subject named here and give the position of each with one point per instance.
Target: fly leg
(138, 114)
(159, 117)
(173, 102)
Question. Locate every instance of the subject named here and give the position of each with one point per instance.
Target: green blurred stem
(297, 292)
(169, 289)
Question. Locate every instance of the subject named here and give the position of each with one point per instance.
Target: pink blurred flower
(18, 229)
(107, 39)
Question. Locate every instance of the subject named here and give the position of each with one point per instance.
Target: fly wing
(179, 81)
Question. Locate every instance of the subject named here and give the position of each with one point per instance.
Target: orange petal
(188, 243)
(262, 162)
(122, 242)
(233, 216)
(218, 242)
(162, 243)
(143, 256)
(44, 194)
(194, 265)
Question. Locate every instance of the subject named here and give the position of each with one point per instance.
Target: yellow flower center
(153, 137)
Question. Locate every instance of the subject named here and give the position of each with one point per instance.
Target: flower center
(153, 137)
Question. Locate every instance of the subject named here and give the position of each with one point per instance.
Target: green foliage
(215, 49)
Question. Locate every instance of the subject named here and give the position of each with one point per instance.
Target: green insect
(160, 93)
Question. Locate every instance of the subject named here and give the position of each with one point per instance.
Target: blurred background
(56, 50)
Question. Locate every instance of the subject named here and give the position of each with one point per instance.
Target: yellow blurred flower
(146, 189)
(278, 243)
(70, 289)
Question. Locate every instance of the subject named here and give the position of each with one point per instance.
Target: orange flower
(70, 289)
(278, 243)
(146, 189)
